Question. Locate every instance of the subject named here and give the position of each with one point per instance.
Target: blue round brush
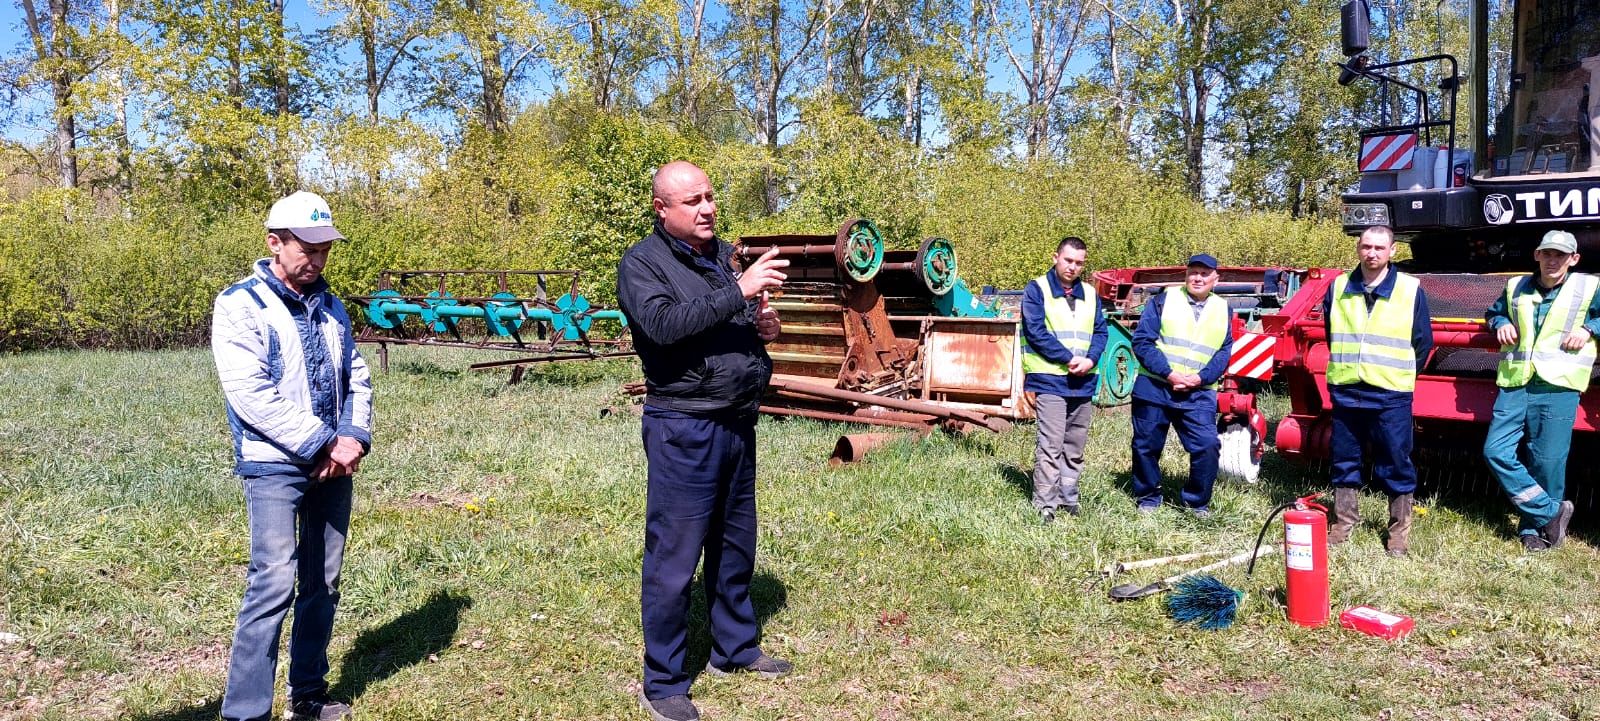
(1205, 602)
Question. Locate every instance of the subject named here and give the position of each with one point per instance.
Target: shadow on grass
(409, 639)
(1018, 478)
(767, 593)
(376, 654)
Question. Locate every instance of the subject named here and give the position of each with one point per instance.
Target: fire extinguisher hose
(1251, 569)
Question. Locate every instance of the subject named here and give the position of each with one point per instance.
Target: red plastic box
(1373, 622)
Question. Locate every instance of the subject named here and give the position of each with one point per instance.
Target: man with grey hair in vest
(300, 406)
(1379, 337)
(1182, 342)
(1546, 323)
(1063, 334)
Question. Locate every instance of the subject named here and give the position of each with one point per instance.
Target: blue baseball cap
(1204, 259)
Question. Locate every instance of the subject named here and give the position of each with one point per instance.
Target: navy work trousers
(1386, 433)
(1197, 430)
(702, 496)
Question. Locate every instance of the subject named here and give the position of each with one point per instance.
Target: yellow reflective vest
(1373, 347)
(1189, 342)
(1073, 327)
(1541, 353)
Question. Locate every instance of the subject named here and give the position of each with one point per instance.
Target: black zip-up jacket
(693, 329)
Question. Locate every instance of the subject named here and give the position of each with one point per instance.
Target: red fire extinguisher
(1305, 554)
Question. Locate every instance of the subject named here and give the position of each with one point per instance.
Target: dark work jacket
(694, 331)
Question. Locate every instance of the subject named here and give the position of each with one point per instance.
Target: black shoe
(1047, 516)
(671, 708)
(1555, 531)
(1534, 543)
(764, 666)
(1071, 510)
(319, 707)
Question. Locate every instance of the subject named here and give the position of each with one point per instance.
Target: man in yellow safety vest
(1379, 336)
(1063, 333)
(1182, 343)
(1546, 323)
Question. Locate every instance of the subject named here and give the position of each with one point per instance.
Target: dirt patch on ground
(38, 683)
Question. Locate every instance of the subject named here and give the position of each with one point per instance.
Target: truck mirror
(1354, 26)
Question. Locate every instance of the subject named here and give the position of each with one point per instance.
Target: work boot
(1399, 541)
(1346, 514)
(1555, 531)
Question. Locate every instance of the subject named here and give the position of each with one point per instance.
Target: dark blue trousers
(1386, 433)
(1197, 431)
(702, 496)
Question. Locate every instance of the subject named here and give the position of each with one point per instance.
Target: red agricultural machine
(1471, 215)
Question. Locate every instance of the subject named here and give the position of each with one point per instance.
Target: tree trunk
(911, 128)
(769, 110)
(119, 131)
(285, 174)
(51, 53)
(369, 55)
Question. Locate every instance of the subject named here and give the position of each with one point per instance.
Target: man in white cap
(1546, 323)
(299, 404)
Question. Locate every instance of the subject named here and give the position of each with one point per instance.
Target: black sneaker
(319, 708)
(1555, 531)
(671, 708)
(764, 666)
(1534, 543)
(1071, 510)
(1047, 516)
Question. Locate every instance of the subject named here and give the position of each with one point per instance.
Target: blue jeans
(1386, 433)
(701, 496)
(1197, 430)
(297, 528)
(1529, 437)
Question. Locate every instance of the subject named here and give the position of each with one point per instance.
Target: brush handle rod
(1125, 566)
(1240, 557)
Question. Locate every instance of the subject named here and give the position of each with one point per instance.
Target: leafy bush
(569, 187)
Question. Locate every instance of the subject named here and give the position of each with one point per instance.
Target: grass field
(493, 571)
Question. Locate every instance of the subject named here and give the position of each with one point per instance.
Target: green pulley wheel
(936, 263)
(387, 311)
(1118, 368)
(573, 316)
(858, 249)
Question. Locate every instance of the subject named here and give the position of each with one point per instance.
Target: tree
(56, 60)
(1050, 37)
(770, 42)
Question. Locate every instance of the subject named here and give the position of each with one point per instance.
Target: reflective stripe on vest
(1373, 347)
(1187, 342)
(1541, 353)
(1074, 328)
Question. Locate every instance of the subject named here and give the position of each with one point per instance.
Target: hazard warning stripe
(1252, 356)
(1388, 152)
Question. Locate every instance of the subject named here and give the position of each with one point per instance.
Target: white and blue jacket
(290, 372)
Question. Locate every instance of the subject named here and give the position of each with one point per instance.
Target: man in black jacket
(700, 330)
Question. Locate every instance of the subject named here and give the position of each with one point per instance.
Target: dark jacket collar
(683, 248)
(1358, 284)
(264, 272)
(1057, 291)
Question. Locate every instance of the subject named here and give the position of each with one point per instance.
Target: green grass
(494, 566)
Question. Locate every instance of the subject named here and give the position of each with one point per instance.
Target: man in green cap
(1546, 323)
